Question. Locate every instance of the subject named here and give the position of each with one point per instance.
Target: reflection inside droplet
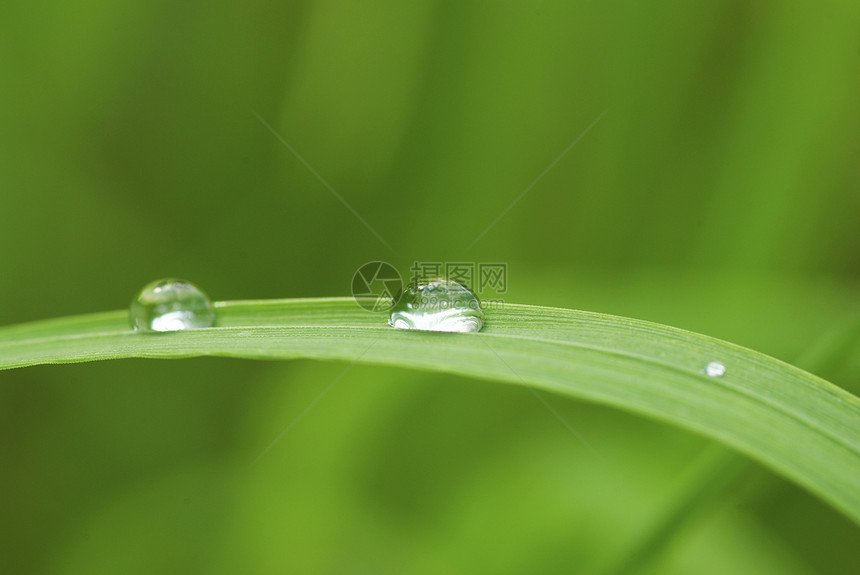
(439, 305)
(170, 305)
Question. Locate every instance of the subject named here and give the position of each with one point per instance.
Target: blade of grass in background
(717, 470)
(792, 421)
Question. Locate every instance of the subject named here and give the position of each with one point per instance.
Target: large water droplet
(440, 305)
(171, 305)
(715, 369)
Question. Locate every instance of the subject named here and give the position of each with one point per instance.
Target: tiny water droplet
(715, 369)
(170, 305)
(439, 305)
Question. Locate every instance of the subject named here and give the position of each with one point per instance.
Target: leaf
(792, 421)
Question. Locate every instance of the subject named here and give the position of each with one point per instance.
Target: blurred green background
(719, 193)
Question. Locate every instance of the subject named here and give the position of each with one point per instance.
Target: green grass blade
(717, 471)
(696, 492)
(792, 421)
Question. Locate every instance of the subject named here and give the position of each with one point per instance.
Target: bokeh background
(720, 192)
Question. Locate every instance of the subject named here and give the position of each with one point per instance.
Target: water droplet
(715, 369)
(171, 305)
(439, 305)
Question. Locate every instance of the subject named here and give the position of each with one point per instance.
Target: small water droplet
(439, 305)
(170, 305)
(715, 369)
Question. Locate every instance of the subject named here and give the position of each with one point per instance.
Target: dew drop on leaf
(715, 369)
(170, 305)
(439, 305)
